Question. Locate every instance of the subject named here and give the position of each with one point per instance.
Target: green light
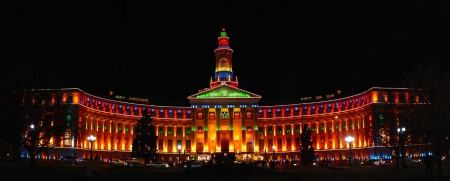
(223, 92)
(223, 34)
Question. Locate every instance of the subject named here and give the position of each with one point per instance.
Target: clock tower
(224, 57)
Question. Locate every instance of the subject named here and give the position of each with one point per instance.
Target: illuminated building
(225, 121)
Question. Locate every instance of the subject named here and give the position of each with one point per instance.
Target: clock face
(223, 62)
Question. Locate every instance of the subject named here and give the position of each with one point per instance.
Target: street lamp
(274, 160)
(400, 132)
(349, 140)
(91, 139)
(179, 156)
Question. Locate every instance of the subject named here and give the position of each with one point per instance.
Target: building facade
(225, 121)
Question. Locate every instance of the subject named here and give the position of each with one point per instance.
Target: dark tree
(11, 129)
(431, 80)
(400, 110)
(42, 119)
(306, 150)
(144, 145)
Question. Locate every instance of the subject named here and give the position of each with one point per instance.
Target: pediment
(224, 93)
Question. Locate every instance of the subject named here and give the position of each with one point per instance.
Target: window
(160, 144)
(249, 129)
(188, 145)
(288, 129)
(169, 130)
(199, 115)
(261, 130)
(188, 131)
(237, 115)
(270, 130)
(261, 145)
(161, 130)
(179, 131)
(279, 130)
(270, 144)
(169, 145)
(297, 142)
(248, 115)
(297, 128)
(280, 143)
(200, 130)
(288, 143)
(212, 115)
(199, 147)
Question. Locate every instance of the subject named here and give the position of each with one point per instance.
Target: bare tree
(42, 119)
(432, 83)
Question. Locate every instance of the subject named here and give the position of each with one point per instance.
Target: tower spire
(224, 57)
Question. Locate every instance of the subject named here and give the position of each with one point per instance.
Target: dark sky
(164, 51)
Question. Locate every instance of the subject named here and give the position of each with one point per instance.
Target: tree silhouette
(11, 128)
(42, 121)
(144, 144)
(431, 81)
(306, 150)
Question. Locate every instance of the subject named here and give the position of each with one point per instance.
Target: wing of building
(225, 121)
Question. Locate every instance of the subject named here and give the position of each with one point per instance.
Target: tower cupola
(224, 59)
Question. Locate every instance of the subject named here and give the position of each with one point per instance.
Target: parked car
(135, 162)
(416, 160)
(260, 163)
(196, 164)
(118, 163)
(383, 162)
(69, 159)
(157, 164)
(369, 162)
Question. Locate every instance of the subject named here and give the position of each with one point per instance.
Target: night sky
(164, 51)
